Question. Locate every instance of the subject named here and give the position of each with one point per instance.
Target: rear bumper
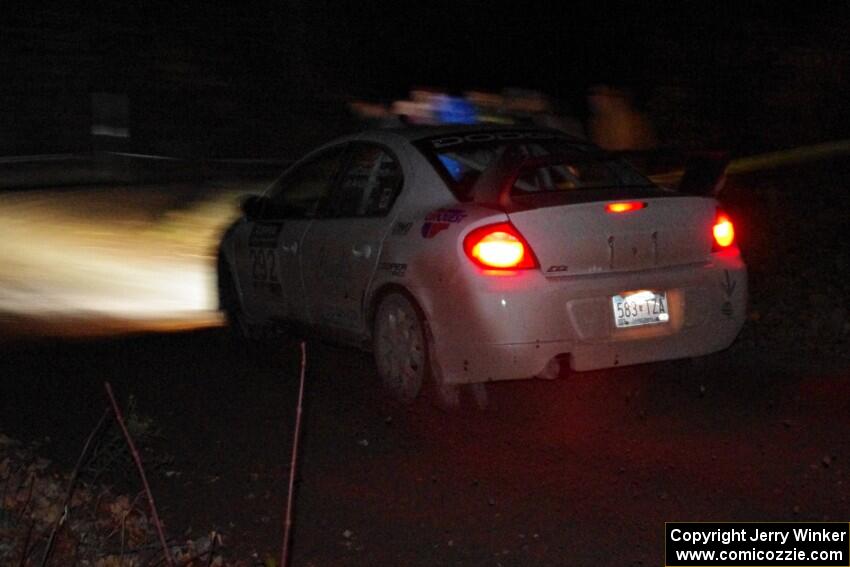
(697, 341)
(509, 330)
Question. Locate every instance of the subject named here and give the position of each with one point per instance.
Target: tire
(400, 347)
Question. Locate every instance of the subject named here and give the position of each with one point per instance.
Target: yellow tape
(769, 160)
(788, 157)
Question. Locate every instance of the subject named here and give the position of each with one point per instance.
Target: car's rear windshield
(461, 159)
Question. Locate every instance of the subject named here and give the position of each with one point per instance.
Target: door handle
(290, 248)
(362, 251)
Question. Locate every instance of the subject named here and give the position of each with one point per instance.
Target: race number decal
(263, 258)
(264, 269)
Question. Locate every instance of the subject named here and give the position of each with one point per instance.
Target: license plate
(637, 308)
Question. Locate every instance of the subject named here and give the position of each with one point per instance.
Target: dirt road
(571, 472)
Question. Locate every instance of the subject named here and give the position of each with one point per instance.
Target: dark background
(268, 79)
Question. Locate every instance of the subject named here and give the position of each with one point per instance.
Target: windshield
(461, 159)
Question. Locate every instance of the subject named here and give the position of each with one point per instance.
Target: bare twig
(6, 487)
(154, 516)
(76, 552)
(95, 507)
(23, 511)
(132, 507)
(25, 550)
(157, 560)
(123, 531)
(214, 538)
(112, 456)
(287, 526)
(69, 492)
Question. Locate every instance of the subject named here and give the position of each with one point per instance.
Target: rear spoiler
(690, 173)
(493, 187)
(700, 173)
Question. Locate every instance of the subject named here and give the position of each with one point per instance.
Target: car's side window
(368, 186)
(298, 193)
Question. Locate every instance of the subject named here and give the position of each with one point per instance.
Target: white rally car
(466, 255)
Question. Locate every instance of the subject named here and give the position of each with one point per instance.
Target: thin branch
(113, 455)
(69, 491)
(6, 485)
(154, 516)
(123, 531)
(76, 552)
(214, 538)
(293, 463)
(25, 550)
(23, 511)
(131, 508)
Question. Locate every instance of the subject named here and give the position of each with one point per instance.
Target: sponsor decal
(264, 235)
(439, 220)
(554, 269)
(338, 316)
(432, 229)
(395, 269)
(446, 215)
(262, 256)
(264, 276)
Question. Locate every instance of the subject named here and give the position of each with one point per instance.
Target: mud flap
(446, 396)
(551, 371)
(449, 396)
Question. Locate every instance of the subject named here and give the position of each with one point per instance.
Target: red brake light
(624, 207)
(723, 231)
(499, 247)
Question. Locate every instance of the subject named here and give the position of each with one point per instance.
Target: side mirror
(252, 206)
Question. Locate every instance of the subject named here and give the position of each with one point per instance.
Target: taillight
(624, 207)
(499, 247)
(723, 231)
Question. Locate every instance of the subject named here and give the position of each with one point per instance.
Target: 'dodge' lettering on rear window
(479, 137)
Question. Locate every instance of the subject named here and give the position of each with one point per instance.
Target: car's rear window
(461, 159)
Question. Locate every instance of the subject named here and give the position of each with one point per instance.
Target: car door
(272, 259)
(343, 245)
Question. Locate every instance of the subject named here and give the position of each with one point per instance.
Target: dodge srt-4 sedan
(466, 255)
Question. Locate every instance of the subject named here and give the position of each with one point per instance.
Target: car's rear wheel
(400, 347)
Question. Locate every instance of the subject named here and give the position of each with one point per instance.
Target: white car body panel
(339, 259)
(486, 327)
(276, 288)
